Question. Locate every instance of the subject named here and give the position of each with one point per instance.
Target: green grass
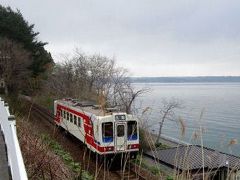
(67, 158)
(161, 146)
(45, 101)
(153, 169)
(169, 178)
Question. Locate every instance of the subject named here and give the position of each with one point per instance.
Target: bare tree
(125, 95)
(58, 83)
(101, 70)
(167, 112)
(93, 77)
(14, 63)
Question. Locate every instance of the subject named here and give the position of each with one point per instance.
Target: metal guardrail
(15, 160)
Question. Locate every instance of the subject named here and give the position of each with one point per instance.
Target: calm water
(219, 102)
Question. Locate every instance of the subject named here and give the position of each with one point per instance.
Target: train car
(105, 132)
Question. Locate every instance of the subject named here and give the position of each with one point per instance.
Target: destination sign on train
(120, 117)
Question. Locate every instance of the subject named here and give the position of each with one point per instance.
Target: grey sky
(149, 37)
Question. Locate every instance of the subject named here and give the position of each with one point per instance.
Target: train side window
(107, 132)
(67, 116)
(75, 119)
(64, 114)
(79, 122)
(132, 130)
(71, 117)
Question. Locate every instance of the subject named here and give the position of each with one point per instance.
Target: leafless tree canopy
(14, 63)
(93, 77)
(167, 112)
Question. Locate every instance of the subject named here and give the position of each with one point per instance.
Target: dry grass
(40, 161)
(148, 139)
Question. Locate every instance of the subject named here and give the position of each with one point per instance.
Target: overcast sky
(149, 37)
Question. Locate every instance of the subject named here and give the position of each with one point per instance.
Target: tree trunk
(160, 131)
(6, 89)
(161, 125)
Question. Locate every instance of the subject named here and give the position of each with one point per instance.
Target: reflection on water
(219, 102)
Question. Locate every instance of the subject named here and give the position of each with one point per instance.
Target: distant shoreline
(198, 79)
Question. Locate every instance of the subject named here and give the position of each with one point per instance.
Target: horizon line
(200, 76)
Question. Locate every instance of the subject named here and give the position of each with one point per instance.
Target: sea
(208, 109)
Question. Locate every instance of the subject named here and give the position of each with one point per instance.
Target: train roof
(88, 107)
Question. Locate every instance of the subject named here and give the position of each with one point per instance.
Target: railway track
(129, 173)
(44, 113)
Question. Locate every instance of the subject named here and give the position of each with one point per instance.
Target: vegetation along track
(44, 113)
(75, 147)
(130, 172)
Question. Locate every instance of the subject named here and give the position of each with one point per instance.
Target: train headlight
(109, 148)
(133, 146)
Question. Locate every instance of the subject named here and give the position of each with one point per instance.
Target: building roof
(190, 158)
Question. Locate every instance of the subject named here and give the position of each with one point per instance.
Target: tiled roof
(190, 158)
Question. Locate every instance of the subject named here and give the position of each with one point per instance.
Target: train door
(120, 136)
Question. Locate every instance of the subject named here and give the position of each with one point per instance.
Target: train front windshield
(132, 130)
(107, 132)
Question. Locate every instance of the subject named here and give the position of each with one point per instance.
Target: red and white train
(105, 133)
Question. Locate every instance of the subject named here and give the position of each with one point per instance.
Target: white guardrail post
(15, 160)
